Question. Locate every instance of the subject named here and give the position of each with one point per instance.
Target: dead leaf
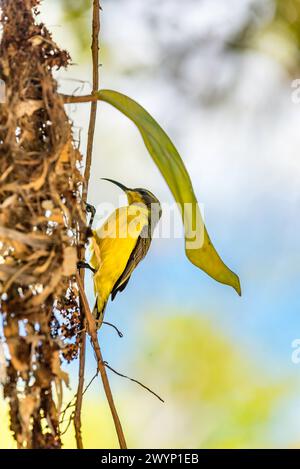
(65, 153)
(47, 205)
(3, 365)
(50, 288)
(19, 352)
(36, 40)
(56, 368)
(7, 271)
(11, 329)
(56, 216)
(38, 255)
(27, 407)
(36, 184)
(6, 173)
(17, 274)
(70, 261)
(43, 377)
(9, 201)
(30, 239)
(59, 393)
(42, 268)
(27, 108)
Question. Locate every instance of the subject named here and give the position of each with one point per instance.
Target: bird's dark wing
(119, 288)
(138, 254)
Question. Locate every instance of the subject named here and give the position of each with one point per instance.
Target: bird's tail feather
(99, 314)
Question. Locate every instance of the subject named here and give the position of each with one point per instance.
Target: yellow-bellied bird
(120, 244)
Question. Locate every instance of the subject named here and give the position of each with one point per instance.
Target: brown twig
(73, 404)
(87, 172)
(133, 380)
(68, 425)
(93, 114)
(101, 364)
(79, 394)
(70, 99)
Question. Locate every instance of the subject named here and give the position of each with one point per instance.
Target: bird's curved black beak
(124, 188)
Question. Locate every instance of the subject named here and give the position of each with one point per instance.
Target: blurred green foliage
(229, 401)
(286, 26)
(283, 25)
(78, 17)
(287, 19)
(276, 33)
(213, 392)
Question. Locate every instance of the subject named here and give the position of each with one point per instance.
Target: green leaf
(199, 248)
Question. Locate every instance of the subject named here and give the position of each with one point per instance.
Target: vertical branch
(79, 394)
(87, 172)
(101, 366)
(93, 114)
(88, 318)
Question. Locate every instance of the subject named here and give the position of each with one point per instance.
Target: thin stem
(88, 98)
(93, 114)
(101, 364)
(87, 172)
(133, 380)
(79, 395)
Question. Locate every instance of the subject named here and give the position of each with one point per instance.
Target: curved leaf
(199, 248)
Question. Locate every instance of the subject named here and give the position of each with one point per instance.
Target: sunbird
(120, 244)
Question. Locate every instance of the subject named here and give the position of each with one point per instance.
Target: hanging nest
(42, 228)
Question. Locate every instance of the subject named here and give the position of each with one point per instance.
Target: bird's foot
(90, 209)
(98, 323)
(85, 265)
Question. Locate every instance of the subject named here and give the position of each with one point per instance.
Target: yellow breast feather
(112, 245)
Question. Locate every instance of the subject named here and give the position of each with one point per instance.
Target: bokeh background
(218, 77)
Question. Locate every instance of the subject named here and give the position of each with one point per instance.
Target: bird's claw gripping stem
(90, 209)
(85, 265)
